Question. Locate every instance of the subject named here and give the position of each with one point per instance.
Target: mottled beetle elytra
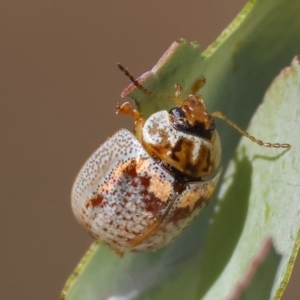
(138, 192)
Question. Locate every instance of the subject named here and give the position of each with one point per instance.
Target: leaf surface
(238, 68)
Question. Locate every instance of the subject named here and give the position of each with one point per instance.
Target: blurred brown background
(59, 85)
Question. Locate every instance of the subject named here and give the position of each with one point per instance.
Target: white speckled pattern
(158, 129)
(121, 191)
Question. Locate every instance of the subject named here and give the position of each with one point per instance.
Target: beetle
(139, 192)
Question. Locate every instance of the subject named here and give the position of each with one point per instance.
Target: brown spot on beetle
(130, 169)
(97, 201)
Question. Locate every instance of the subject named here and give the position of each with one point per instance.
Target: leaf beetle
(138, 192)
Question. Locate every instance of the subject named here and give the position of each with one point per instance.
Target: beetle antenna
(219, 115)
(177, 98)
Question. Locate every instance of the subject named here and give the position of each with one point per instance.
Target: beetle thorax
(172, 138)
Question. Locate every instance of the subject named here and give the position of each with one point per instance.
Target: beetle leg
(138, 128)
(198, 84)
(119, 253)
(127, 109)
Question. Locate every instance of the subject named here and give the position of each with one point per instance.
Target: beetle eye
(177, 113)
(180, 123)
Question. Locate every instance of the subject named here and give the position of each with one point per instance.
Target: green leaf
(258, 279)
(260, 185)
(259, 196)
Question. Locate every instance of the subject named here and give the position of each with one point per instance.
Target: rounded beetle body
(139, 193)
(130, 201)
